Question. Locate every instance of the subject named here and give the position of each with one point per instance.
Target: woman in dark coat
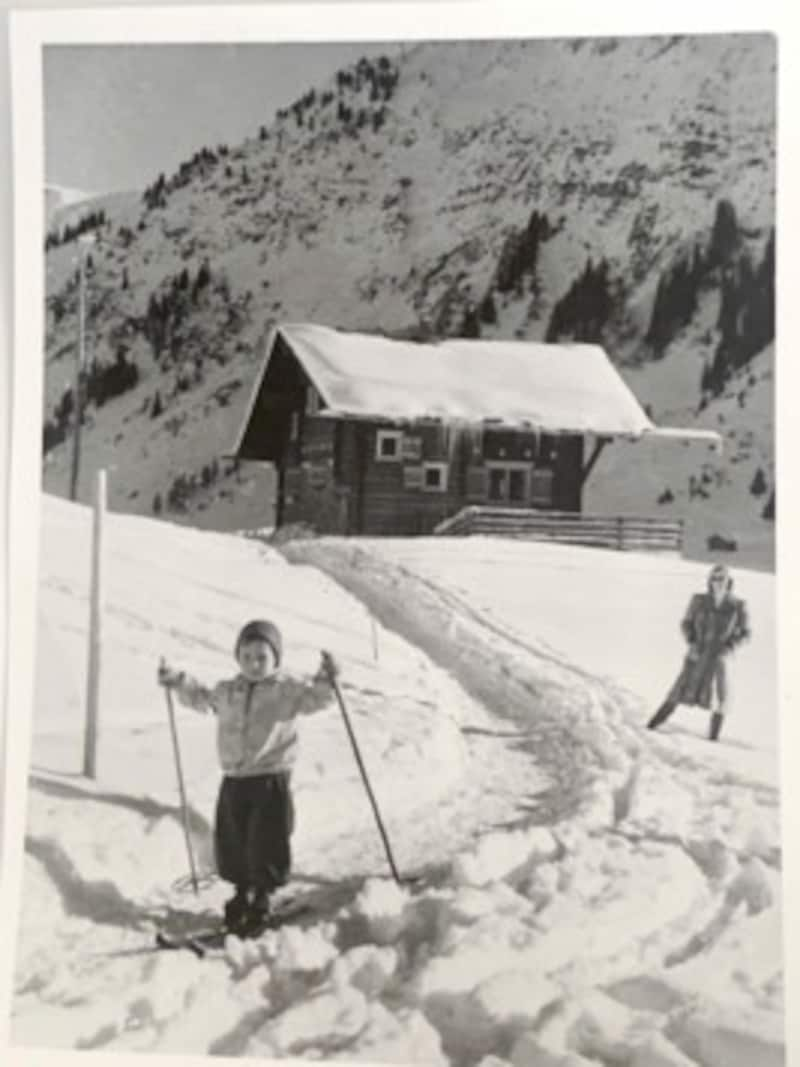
(715, 624)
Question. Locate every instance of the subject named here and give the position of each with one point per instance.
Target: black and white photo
(403, 684)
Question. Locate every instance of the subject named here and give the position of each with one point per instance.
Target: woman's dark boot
(716, 726)
(661, 715)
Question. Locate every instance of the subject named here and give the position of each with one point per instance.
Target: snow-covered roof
(552, 387)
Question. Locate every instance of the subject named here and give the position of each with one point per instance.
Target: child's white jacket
(256, 721)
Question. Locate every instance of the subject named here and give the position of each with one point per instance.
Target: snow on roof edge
(359, 396)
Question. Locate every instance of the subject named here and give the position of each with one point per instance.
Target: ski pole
(181, 787)
(364, 777)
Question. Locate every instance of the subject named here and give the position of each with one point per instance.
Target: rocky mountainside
(615, 190)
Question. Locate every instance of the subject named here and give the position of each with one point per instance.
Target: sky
(118, 115)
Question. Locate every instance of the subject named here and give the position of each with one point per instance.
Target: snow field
(591, 895)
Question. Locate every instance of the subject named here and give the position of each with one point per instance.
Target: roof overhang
(678, 433)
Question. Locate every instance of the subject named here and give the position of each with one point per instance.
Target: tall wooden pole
(95, 631)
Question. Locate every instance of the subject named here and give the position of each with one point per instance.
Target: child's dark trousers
(255, 819)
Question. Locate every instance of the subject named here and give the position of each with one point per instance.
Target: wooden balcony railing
(622, 532)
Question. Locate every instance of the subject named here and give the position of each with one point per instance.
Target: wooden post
(95, 631)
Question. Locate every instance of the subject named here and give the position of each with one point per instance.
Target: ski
(199, 942)
(203, 941)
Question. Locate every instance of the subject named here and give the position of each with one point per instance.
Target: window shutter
(476, 483)
(542, 487)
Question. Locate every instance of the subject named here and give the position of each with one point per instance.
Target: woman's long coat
(712, 632)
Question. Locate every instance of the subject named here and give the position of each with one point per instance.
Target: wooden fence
(622, 532)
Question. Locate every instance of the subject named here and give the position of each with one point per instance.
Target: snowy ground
(592, 894)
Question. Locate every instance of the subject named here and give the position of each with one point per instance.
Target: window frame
(381, 437)
(442, 468)
(509, 465)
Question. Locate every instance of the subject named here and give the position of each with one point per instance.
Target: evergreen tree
(724, 234)
(488, 311)
(705, 378)
(758, 486)
(769, 508)
(470, 325)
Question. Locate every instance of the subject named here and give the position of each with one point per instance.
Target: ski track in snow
(589, 894)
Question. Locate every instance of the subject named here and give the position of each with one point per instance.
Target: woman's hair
(719, 570)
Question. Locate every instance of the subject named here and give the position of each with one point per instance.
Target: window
(498, 479)
(388, 446)
(509, 482)
(294, 426)
(517, 480)
(434, 477)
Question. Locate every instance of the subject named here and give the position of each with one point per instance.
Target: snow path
(592, 894)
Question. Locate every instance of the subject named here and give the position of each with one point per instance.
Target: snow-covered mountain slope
(397, 198)
(713, 493)
(61, 201)
(593, 893)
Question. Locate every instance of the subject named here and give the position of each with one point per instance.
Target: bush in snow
(718, 543)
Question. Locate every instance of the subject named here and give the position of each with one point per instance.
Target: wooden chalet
(384, 437)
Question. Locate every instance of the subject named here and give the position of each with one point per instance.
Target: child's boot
(257, 915)
(236, 908)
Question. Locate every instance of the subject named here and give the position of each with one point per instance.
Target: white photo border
(387, 21)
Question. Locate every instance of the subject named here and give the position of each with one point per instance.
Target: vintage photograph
(405, 671)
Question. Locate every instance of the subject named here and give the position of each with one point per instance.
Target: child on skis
(257, 746)
(715, 623)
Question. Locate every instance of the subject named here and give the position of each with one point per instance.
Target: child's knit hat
(261, 630)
